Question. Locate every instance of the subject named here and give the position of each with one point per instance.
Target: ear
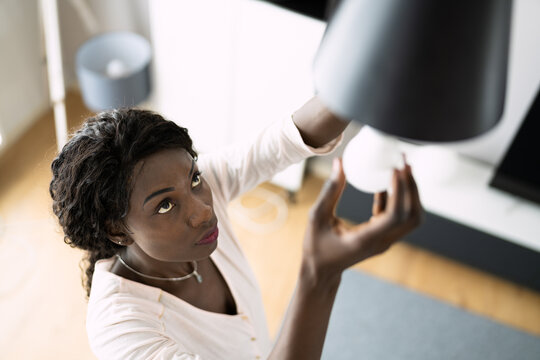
(118, 235)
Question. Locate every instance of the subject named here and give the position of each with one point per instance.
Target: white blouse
(130, 320)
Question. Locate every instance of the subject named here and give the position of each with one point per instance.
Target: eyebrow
(168, 189)
(156, 193)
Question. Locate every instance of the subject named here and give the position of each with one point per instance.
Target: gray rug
(376, 320)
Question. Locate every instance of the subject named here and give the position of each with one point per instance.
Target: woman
(166, 277)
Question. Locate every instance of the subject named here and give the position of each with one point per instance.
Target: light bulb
(369, 160)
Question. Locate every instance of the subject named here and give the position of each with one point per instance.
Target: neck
(135, 258)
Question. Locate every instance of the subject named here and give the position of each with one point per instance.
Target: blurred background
(225, 69)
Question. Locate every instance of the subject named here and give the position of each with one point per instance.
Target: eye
(165, 207)
(196, 179)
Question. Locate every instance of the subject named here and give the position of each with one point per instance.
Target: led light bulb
(369, 160)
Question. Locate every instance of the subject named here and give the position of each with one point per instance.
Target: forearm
(317, 124)
(306, 321)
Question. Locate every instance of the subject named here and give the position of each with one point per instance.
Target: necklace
(194, 273)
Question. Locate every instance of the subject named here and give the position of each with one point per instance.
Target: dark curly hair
(92, 176)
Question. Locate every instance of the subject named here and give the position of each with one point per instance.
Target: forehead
(162, 168)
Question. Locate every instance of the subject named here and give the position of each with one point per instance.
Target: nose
(201, 213)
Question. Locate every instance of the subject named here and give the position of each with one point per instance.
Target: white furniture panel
(226, 68)
(457, 187)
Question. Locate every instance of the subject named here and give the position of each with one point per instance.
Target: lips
(209, 237)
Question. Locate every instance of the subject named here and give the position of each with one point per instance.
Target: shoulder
(124, 319)
(114, 298)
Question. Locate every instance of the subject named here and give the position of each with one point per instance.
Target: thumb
(326, 203)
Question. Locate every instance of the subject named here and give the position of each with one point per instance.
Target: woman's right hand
(331, 245)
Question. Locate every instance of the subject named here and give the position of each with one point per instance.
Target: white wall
(23, 76)
(226, 68)
(23, 90)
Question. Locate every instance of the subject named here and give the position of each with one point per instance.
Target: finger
(408, 196)
(324, 206)
(403, 209)
(379, 203)
(394, 207)
(404, 158)
(416, 205)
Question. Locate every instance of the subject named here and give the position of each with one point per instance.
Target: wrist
(317, 124)
(314, 279)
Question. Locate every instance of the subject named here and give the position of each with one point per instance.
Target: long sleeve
(240, 167)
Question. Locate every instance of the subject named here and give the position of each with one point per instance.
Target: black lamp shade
(430, 70)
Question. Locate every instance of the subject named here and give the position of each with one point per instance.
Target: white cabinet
(226, 68)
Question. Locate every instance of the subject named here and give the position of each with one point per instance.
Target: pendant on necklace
(197, 276)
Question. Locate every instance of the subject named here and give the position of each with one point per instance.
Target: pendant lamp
(424, 70)
(417, 69)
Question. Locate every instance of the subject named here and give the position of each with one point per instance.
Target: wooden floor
(42, 304)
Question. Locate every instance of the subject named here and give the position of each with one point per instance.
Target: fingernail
(404, 163)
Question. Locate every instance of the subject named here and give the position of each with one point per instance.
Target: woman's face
(171, 217)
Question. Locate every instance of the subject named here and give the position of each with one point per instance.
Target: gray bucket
(114, 70)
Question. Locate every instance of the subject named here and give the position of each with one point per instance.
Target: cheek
(164, 239)
(156, 231)
(208, 194)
